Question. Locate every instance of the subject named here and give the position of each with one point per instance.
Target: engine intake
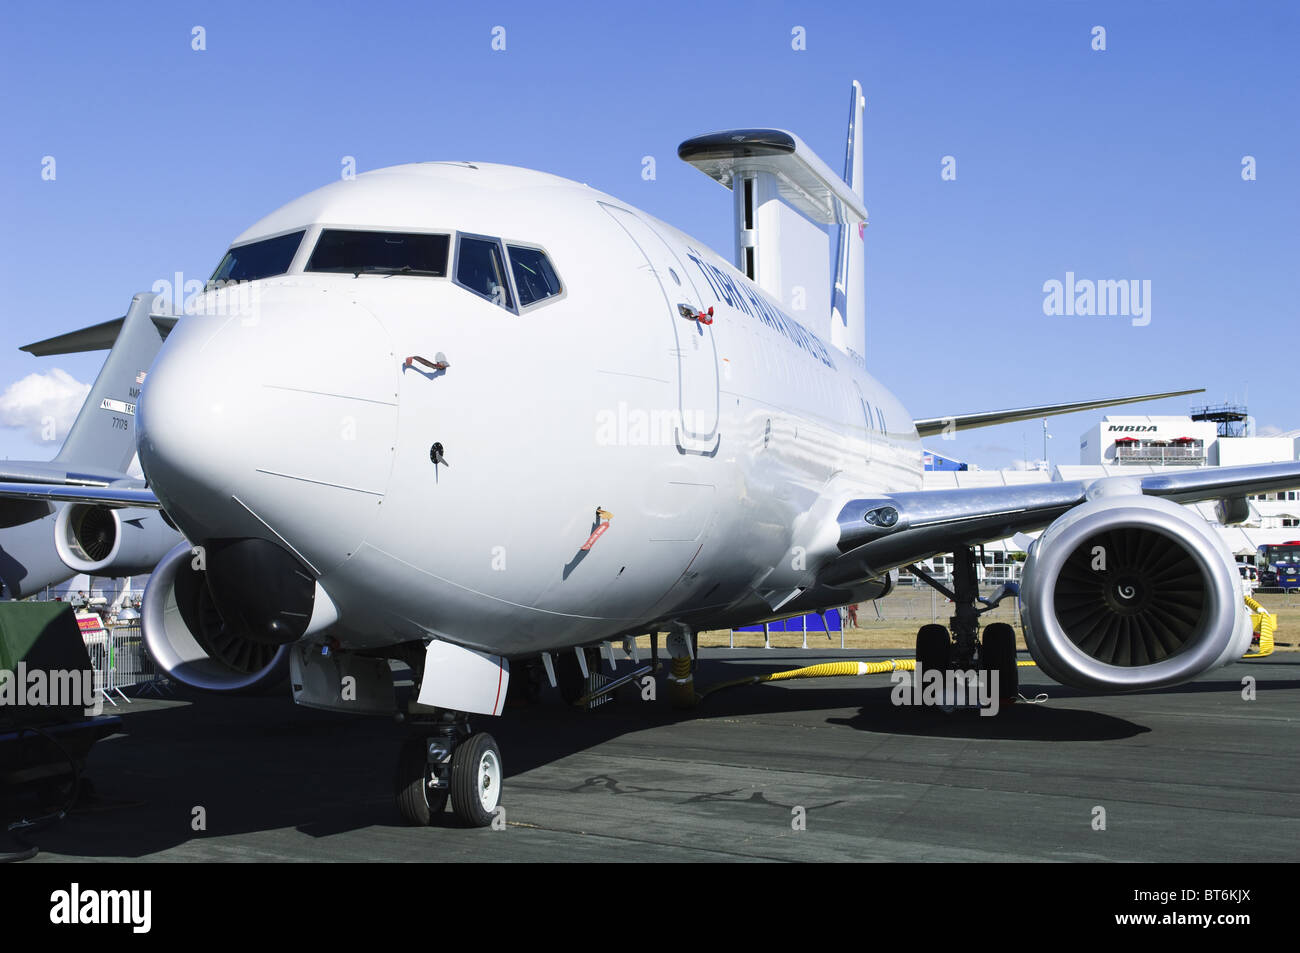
(106, 541)
(1131, 592)
(1146, 607)
(187, 637)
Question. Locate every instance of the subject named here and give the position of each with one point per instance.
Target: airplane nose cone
(274, 416)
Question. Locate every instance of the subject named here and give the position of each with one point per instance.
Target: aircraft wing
(929, 426)
(881, 533)
(128, 493)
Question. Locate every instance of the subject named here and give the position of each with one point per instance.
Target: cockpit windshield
(383, 253)
(271, 256)
(534, 276)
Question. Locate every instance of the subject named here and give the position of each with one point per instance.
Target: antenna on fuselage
(787, 205)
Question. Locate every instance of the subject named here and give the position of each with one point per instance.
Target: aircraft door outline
(698, 386)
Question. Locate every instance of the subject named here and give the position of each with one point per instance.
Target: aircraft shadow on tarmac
(264, 764)
(877, 713)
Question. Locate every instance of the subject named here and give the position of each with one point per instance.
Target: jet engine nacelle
(107, 541)
(187, 637)
(1129, 592)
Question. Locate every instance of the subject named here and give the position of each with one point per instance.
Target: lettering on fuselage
(741, 297)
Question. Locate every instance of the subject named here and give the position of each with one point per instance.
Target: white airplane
(475, 413)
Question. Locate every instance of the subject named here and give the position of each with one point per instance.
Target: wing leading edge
(882, 533)
(127, 493)
(929, 426)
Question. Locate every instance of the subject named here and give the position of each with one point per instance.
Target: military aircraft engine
(107, 541)
(1131, 592)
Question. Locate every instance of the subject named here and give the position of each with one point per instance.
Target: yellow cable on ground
(1264, 624)
(831, 670)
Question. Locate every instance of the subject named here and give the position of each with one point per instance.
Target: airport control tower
(1231, 419)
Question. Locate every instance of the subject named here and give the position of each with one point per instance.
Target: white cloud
(42, 405)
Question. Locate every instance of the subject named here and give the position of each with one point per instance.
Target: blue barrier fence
(802, 623)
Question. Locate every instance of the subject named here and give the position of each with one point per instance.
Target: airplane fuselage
(713, 451)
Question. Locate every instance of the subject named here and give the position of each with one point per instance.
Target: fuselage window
(271, 256)
(380, 253)
(535, 279)
(480, 269)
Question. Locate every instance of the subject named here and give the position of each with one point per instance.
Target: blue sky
(1116, 164)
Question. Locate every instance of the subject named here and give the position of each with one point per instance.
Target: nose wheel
(421, 793)
(476, 778)
(449, 763)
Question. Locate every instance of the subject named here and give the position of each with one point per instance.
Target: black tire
(933, 647)
(998, 655)
(476, 776)
(418, 805)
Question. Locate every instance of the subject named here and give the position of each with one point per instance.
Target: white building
(1178, 441)
(1150, 441)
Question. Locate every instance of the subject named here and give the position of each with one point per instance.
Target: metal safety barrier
(119, 660)
(902, 606)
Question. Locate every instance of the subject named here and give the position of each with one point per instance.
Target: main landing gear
(992, 658)
(443, 759)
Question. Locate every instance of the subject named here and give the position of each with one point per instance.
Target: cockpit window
(380, 253)
(535, 279)
(480, 269)
(271, 256)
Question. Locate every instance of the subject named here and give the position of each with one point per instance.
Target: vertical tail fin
(849, 299)
(103, 436)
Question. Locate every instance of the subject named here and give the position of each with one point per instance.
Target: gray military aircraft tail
(43, 543)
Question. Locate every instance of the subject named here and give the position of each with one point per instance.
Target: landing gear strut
(443, 759)
(683, 646)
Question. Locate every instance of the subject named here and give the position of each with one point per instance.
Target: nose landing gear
(476, 780)
(443, 760)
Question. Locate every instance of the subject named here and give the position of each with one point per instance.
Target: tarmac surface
(1196, 773)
